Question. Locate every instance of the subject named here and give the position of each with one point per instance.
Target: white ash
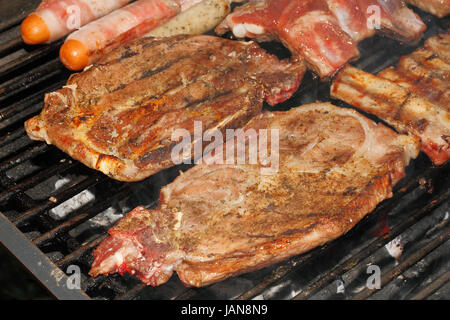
(395, 247)
(104, 220)
(61, 183)
(72, 204)
(275, 291)
(340, 287)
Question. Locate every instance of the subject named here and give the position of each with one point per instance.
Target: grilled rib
(440, 45)
(413, 98)
(217, 221)
(440, 8)
(118, 115)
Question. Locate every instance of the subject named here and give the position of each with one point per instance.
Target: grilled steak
(118, 115)
(324, 32)
(216, 221)
(413, 97)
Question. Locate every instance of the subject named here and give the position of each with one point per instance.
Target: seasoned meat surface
(118, 116)
(220, 220)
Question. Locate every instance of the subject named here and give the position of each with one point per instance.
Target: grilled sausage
(84, 46)
(199, 19)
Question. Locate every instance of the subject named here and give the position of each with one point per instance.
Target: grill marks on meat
(413, 97)
(118, 116)
(324, 32)
(217, 221)
(440, 45)
(440, 8)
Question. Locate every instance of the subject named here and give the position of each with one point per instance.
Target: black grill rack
(47, 244)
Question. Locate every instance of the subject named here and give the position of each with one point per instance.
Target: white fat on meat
(241, 30)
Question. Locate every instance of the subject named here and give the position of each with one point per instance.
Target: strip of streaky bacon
(405, 110)
(307, 28)
(440, 8)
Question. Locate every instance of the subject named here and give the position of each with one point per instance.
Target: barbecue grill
(54, 210)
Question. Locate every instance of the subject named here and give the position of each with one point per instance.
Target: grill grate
(32, 230)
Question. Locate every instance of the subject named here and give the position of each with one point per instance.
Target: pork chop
(118, 116)
(220, 220)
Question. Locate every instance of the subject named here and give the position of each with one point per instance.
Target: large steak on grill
(118, 116)
(216, 221)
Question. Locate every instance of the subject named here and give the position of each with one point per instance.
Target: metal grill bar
(28, 154)
(10, 45)
(410, 261)
(32, 78)
(132, 293)
(77, 254)
(11, 137)
(38, 263)
(82, 217)
(37, 178)
(21, 111)
(29, 58)
(432, 287)
(79, 185)
(370, 248)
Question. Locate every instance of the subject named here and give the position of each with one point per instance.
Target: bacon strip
(135, 19)
(61, 15)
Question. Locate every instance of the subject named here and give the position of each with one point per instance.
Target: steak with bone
(324, 32)
(220, 220)
(413, 97)
(118, 116)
